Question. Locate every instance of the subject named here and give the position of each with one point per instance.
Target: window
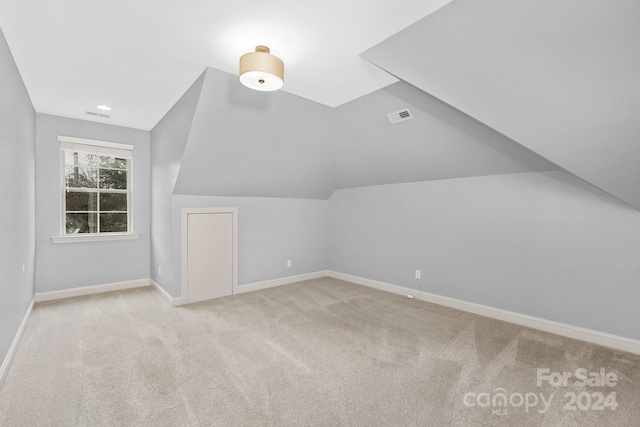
(96, 187)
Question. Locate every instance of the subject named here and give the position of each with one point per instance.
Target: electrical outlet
(418, 274)
(159, 271)
(24, 268)
(288, 263)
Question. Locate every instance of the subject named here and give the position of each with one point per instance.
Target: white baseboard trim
(90, 290)
(382, 286)
(16, 341)
(256, 286)
(172, 301)
(240, 289)
(576, 332)
(595, 337)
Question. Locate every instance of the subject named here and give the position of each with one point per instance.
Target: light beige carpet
(316, 353)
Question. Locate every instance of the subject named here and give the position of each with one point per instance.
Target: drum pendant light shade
(262, 71)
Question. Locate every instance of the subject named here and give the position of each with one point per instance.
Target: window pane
(77, 201)
(90, 211)
(81, 177)
(112, 202)
(113, 162)
(113, 222)
(113, 179)
(81, 223)
(81, 159)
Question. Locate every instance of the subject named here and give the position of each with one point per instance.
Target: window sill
(81, 238)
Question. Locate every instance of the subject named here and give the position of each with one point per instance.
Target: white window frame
(70, 143)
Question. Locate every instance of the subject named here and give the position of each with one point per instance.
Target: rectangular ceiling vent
(94, 114)
(400, 116)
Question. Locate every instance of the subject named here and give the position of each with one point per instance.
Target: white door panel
(209, 256)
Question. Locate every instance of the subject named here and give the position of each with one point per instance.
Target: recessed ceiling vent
(400, 116)
(94, 114)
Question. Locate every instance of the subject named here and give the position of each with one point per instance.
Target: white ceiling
(559, 77)
(139, 57)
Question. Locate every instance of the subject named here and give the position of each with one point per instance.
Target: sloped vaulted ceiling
(439, 142)
(562, 78)
(248, 143)
(254, 144)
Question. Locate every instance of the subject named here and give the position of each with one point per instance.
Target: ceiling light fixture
(103, 108)
(262, 71)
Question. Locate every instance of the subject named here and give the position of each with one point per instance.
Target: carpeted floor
(316, 353)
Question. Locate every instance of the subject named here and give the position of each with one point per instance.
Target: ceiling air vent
(94, 114)
(400, 116)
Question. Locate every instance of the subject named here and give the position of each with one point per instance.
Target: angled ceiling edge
(184, 110)
(537, 86)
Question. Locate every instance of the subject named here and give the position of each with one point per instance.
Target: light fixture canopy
(262, 71)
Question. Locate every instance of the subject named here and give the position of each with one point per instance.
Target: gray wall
(17, 199)
(168, 140)
(542, 244)
(221, 139)
(270, 232)
(222, 144)
(70, 265)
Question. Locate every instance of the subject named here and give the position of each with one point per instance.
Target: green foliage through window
(96, 193)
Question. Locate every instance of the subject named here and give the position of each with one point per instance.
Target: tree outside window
(96, 193)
